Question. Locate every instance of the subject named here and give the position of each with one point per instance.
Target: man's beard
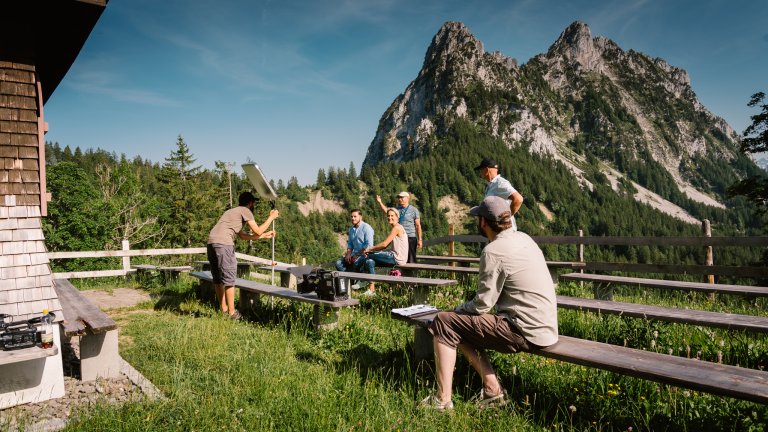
(480, 229)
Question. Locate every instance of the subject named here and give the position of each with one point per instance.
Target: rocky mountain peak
(585, 100)
(576, 45)
(453, 37)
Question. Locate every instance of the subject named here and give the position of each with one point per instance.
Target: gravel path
(53, 414)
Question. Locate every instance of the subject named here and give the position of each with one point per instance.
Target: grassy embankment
(272, 372)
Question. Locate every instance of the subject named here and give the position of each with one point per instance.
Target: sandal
(434, 403)
(485, 400)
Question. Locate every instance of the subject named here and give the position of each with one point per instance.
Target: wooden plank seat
(668, 314)
(662, 283)
(167, 273)
(326, 313)
(421, 285)
(552, 265)
(420, 294)
(99, 355)
(243, 267)
(714, 378)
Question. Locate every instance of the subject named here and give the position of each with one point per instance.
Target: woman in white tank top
(398, 254)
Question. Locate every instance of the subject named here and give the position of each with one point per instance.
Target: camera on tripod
(327, 284)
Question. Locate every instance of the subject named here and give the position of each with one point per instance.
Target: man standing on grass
(221, 248)
(513, 278)
(409, 219)
(500, 187)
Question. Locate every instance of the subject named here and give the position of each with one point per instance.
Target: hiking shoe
(484, 400)
(432, 402)
(235, 316)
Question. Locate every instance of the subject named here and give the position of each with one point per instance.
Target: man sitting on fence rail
(515, 279)
(221, 247)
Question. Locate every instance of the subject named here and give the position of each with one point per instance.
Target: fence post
(580, 253)
(126, 259)
(709, 259)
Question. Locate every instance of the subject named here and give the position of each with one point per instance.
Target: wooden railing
(126, 253)
(705, 241)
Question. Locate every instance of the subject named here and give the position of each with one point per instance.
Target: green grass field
(273, 372)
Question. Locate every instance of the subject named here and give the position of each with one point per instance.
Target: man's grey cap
(491, 208)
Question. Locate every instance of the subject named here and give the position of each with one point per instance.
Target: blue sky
(300, 85)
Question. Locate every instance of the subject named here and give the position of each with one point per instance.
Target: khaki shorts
(485, 331)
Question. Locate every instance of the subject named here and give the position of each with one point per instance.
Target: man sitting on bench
(514, 278)
(359, 237)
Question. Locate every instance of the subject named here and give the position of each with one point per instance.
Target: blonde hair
(394, 210)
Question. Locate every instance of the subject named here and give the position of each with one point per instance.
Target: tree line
(101, 199)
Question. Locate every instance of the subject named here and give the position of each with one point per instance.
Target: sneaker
(235, 316)
(434, 403)
(355, 286)
(484, 400)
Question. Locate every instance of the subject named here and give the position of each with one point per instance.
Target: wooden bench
(719, 379)
(167, 273)
(421, 286)
(552, 265)
(243, 267)
(603, 282)
(99, 355)
(668, 314)
(325, 312)
(420, 295)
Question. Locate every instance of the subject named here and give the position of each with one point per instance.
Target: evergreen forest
(100, 199)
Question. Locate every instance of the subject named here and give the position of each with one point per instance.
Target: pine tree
(179, 179)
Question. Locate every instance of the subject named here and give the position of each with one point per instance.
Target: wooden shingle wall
(26, 286)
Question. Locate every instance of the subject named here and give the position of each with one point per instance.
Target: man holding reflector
(221, 248)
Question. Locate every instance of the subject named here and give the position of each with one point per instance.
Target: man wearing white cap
(409, 219)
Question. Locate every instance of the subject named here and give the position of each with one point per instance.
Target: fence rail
(126, 253)
(705, 241)
(618, 240)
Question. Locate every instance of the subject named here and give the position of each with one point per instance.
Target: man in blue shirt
(360, 237)
(500, 187)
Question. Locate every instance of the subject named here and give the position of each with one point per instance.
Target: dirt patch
(547, 213)
(319, 204)
(456, 211)
(117, 298)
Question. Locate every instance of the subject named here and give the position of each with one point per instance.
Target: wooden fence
(705, 241)
(126, 253)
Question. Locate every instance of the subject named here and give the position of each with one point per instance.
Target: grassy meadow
(272, 371)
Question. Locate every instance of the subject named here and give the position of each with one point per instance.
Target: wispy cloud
(95, 80)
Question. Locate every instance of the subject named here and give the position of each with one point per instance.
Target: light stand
(265, 191)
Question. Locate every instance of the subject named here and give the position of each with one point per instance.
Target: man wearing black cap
(221, 248)
(513, 279)
(500, 187)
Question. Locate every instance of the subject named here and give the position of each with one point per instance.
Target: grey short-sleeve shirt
(229, 224)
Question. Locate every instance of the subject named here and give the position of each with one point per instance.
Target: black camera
(18, 334)
(327, 284)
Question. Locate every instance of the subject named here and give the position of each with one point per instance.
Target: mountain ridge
(585, 100)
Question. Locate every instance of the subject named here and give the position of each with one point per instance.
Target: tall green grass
(273, 372)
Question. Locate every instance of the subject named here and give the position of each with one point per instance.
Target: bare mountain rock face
(584, 99)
